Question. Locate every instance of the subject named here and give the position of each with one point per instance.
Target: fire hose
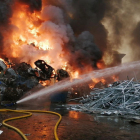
(28, 112)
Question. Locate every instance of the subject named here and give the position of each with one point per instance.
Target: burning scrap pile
(122, 98)
(19, 78)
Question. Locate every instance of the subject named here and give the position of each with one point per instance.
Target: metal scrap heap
(121, 98)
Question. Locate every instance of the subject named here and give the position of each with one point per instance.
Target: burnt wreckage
(19, 78)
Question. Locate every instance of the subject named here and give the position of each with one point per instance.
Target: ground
(74, 125)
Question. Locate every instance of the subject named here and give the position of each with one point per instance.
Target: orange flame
(75, 75)
(95, 81)
(27, 31)
(115, 78)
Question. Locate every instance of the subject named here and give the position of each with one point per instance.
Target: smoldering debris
(20, 78)
(121, 98)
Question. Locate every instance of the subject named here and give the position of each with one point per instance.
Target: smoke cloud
(86, 53)
(53, 13)
(121, 20)
(81, 51)
(33, 5)
(5, 14)
(82, 32)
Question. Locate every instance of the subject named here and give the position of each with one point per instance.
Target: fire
(35, 36)
(45, 83)
(44, 45)
(115, 78)
(64, 67)
(75, 75)
(27, 32)
(2, 59)
(100, 65)
(95, 81)
(103, 81)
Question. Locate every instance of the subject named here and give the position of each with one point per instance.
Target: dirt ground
(74, 126)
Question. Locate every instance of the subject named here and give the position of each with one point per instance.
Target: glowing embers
(75, 75)
(102, 82)
(100, 64)
(65, 66)
(1, 59)
(98, 83)
(5, 63)
(115, 78)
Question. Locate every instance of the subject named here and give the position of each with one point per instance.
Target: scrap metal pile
(17, 79)
(121, 98)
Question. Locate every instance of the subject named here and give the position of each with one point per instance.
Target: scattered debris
(100, 84)
(134, 119)
(27, 134)
(62, 74)
(7, 103)
(20, 78)
(77, 91)
(17, 79)
(3, 66)
(1, 132)
(122, 98)
(46, 70)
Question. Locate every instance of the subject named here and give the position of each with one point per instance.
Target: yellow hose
(29, 114)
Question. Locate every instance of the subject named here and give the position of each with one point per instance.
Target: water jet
(83, 79)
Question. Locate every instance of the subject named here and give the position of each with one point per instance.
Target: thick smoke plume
(5, 14)
(81, 32)
(122, 23)
(54, 23)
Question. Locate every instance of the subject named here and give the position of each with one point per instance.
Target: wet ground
(74, 125)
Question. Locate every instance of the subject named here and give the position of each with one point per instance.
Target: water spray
(83, 79)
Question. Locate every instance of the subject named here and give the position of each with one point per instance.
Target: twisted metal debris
(120, 99)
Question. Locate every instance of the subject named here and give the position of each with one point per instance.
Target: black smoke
(90, 42)
(34, 5)
(83, 22)
(5, 15)
(87, 16)
(5, 11)
(86, 53)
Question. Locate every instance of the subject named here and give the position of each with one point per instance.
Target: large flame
(104, 82)
(75, 75)
(34, 37)
(29, 37)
